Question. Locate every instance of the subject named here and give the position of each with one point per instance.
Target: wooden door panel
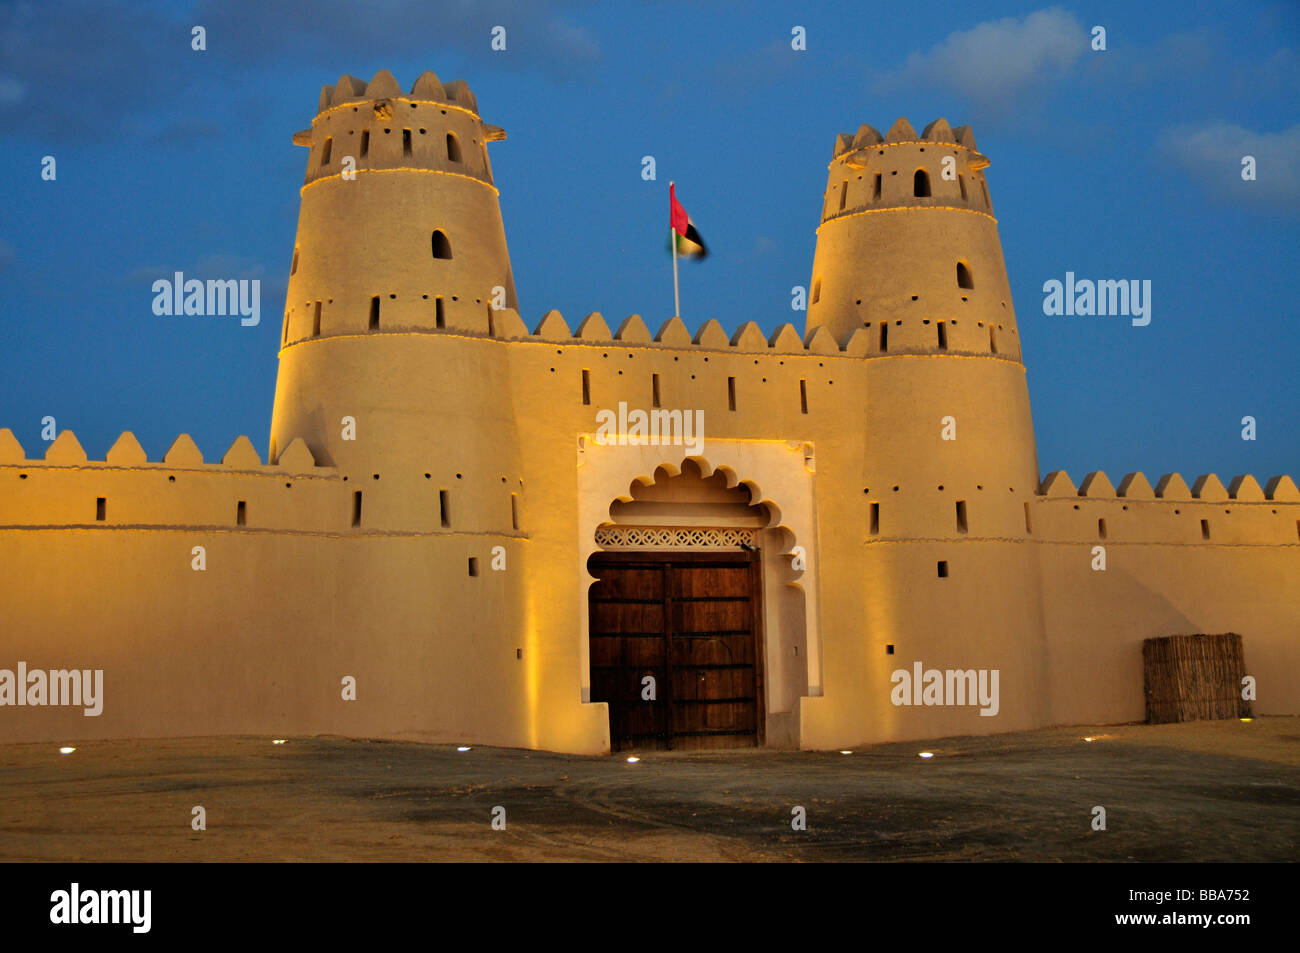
(691, 622)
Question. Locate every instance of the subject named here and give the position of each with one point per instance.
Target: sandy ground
(1207, 791)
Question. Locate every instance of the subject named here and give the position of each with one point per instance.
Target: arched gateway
(693, 620)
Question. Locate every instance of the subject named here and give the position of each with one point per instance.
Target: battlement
(506, 324)
(126, 490)
(350, 90)
(902, 133)
(1171, 513)
(66, 451)
(1207, 488)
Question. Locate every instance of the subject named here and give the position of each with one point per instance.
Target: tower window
(1101, 529)
(993, 339)
(875, 189)
(961, 516)
(365, 142)
(514, 510)
(964, 279)
(875, 519)
(473, 565)
(1205, 529)
(985, 189)
(921, 184)
(315, 321)
(406, 142)
(731, 393)
(943, 569)
(1028, 528)
(654, 390)
(817, 291)
(586, 386)
(293, 269)
(374, 313)
(844, 194)
(439, 313)
(325, 150)
(453, 147)
(241, 513)
(356, 508)
(441, 244)
(943, 335)
(884, 336)
(101, 508)
(444, 508)
(961, 181)
(803, 396)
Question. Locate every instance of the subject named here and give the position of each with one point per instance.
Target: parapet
(902, 132)
(506, 324)
(126, 453)
(427, 88)
(1207, 488)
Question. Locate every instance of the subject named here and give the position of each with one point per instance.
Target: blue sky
(1117, 164)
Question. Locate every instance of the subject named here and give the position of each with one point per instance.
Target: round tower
(908, 274)
(387, 368)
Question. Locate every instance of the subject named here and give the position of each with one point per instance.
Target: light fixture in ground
(278, 741)
(633, 760)
(67, 749)
(463, 748)
(926, 754)
(846, 752)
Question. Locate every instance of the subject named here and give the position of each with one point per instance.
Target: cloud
(538, 36)
(99, 66)
(998, 59)
(1213, 154)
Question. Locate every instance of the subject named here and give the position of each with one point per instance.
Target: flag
(682, 229)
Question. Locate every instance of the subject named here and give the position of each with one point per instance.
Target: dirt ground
(1206, 791)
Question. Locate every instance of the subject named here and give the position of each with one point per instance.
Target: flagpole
(672, 235)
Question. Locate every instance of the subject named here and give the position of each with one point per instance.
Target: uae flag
(682, 230)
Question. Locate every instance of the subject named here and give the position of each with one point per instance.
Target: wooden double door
(676, 648)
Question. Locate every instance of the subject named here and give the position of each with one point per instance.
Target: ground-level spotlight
(463, 748)
(633, 760)
(846, 752)
(278, 741)
(926, 754)
(1089, 739)
(1248, 719)
(67, 749)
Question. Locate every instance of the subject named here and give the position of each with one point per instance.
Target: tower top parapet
(902, 132)
(350, 90)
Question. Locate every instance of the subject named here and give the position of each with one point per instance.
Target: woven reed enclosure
(1194, 677)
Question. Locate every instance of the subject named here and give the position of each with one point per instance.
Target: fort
(768, 582)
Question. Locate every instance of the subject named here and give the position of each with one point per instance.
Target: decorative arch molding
(779, 474)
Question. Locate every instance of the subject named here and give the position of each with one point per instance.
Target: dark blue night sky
(1117, 164)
